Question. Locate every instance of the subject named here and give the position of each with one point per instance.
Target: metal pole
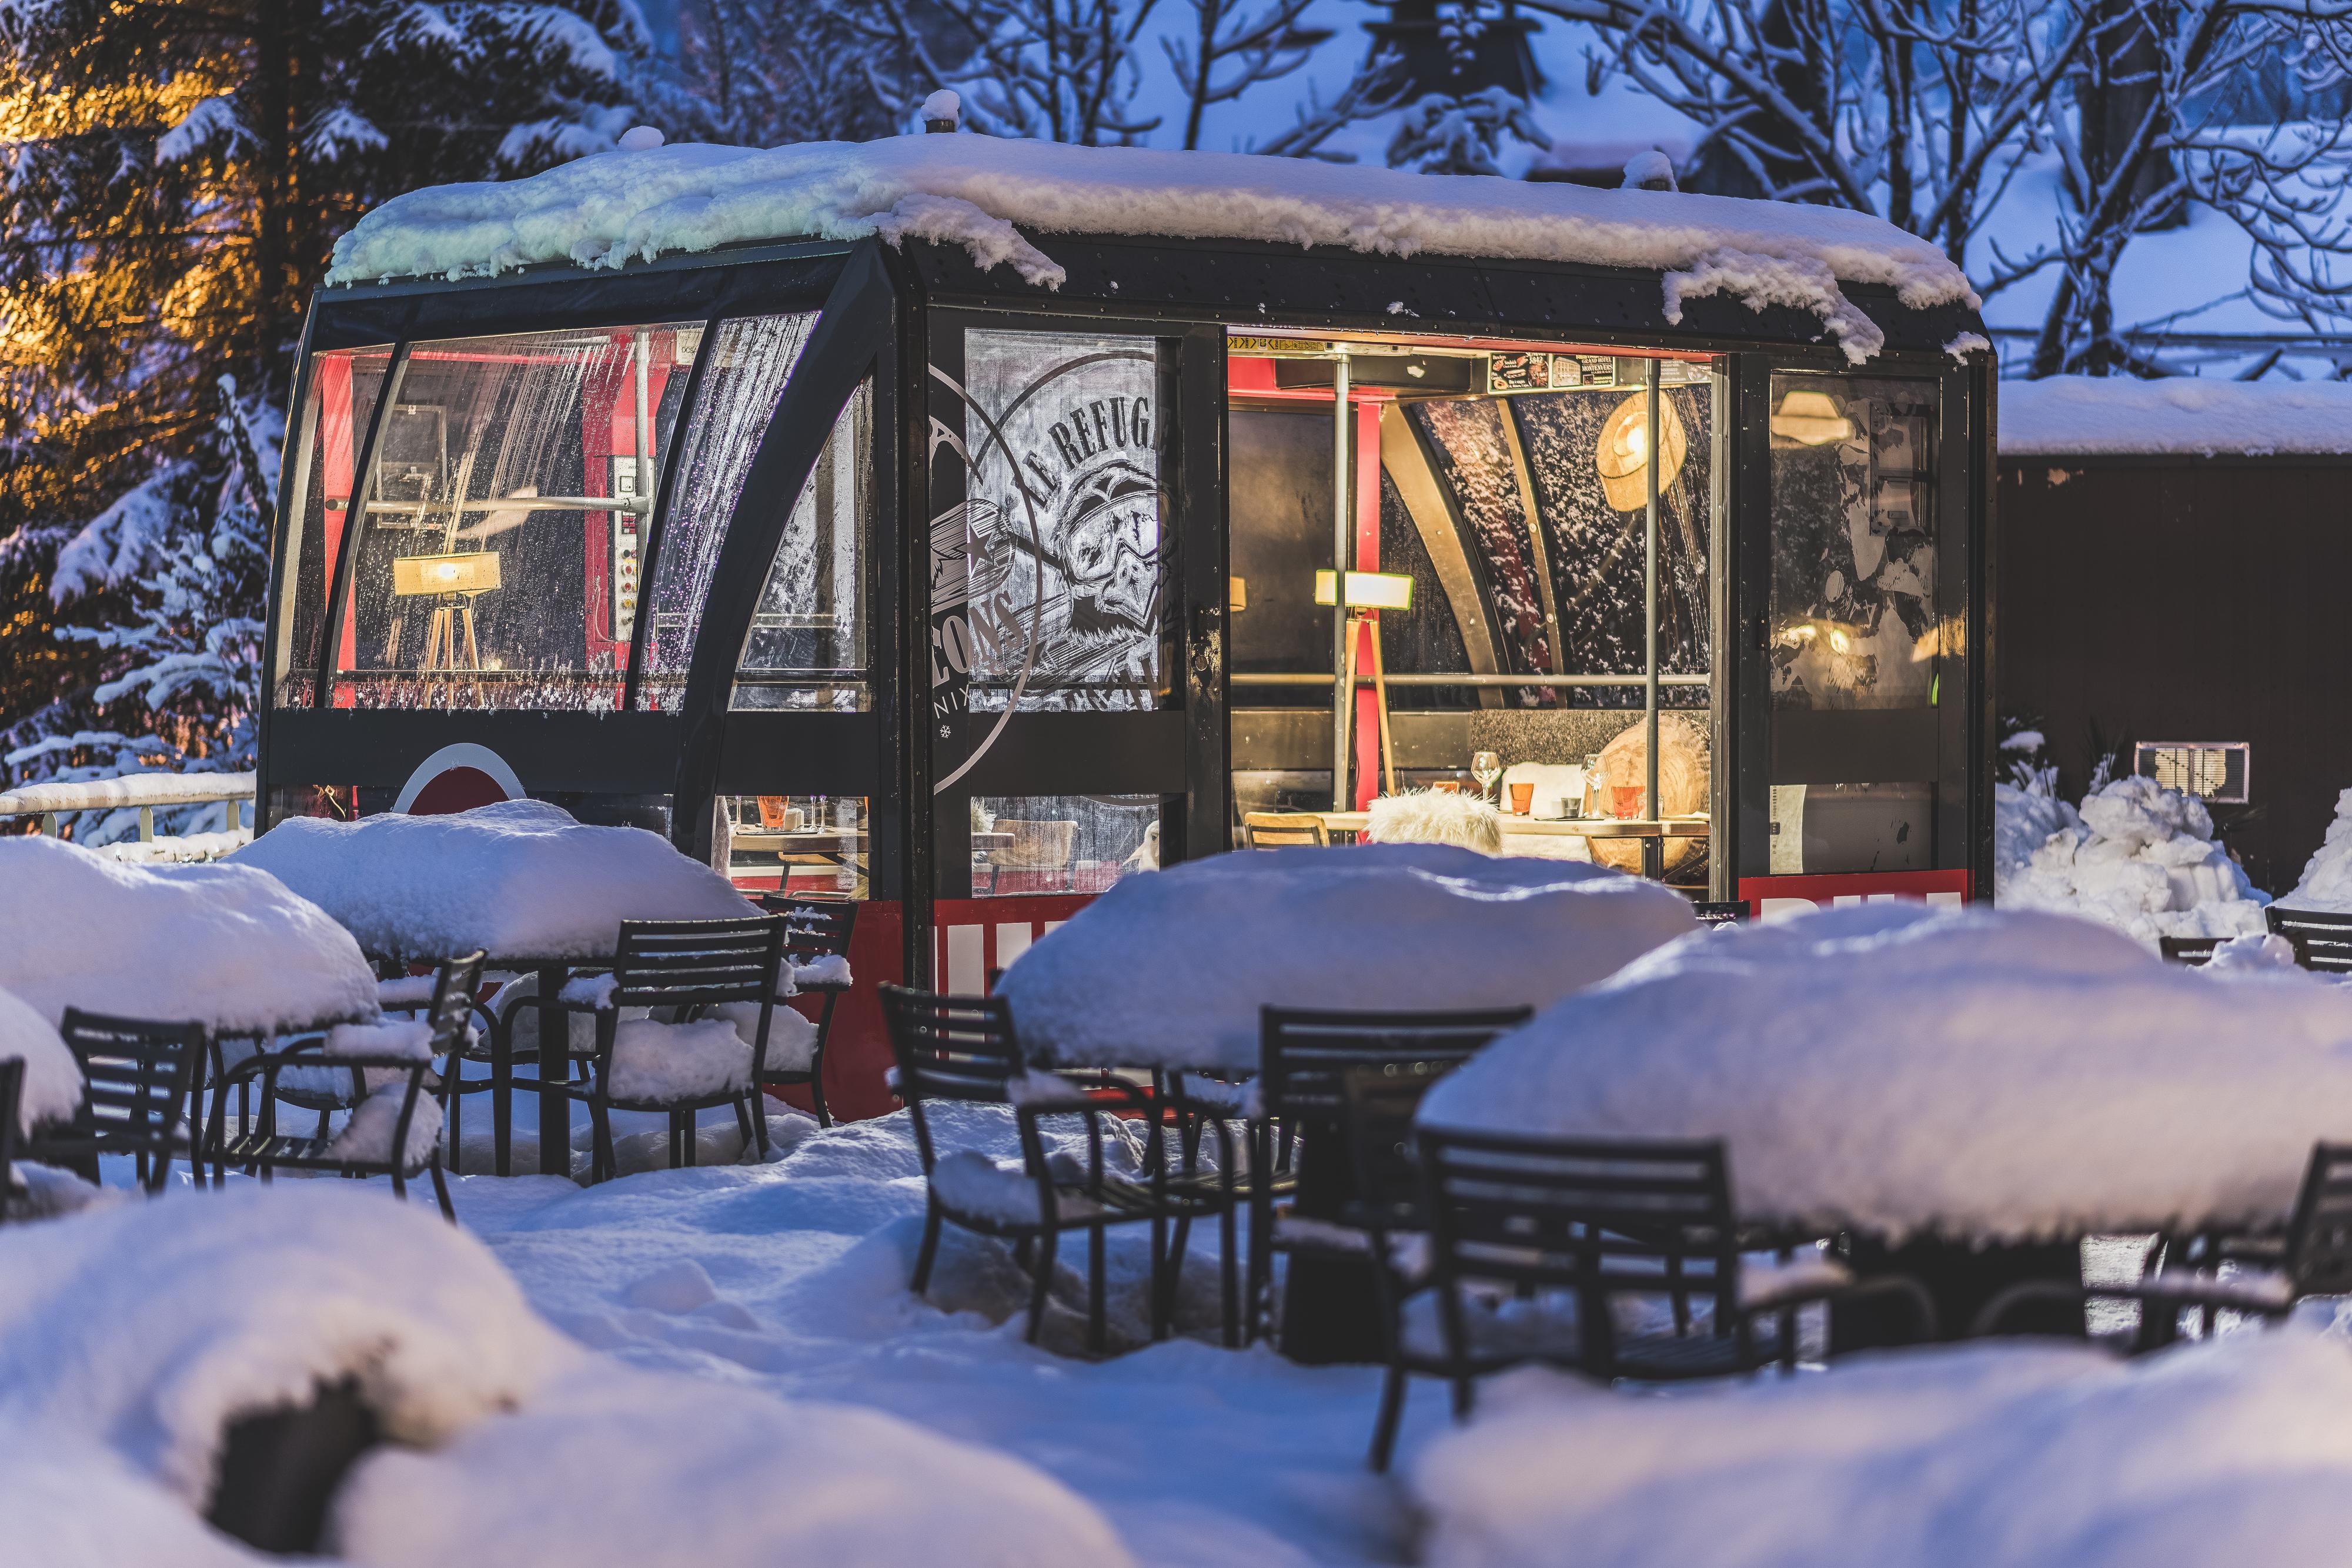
(1343, 630)
(1653, 850)
(644, 466)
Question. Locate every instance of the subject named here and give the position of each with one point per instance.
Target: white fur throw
(1436, 816)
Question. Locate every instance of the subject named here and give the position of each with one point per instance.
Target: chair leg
(1045, 1277)
(1384, 1428)
(1095, 1328)
(455, 1117)
(1465, 1395)
(681, 1130)
(399, 1182)
(753, 1128)
(928, 1251)
(441, 1192)
(1228, 1279)
(816, 1079)
(603, 1164)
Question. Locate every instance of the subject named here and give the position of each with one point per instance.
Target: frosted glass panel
(344, 385)
(748, 365)
(807, 643)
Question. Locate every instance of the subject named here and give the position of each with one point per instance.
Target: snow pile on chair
(52, 1087)
(1436, 816)
(2232, 1450)
(2140, 858)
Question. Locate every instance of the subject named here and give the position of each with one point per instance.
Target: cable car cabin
(966, 565)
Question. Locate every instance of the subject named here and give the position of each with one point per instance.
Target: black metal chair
(2196, 952)
(263, 1151)
(1379, 1103)
(2313, 1258)
(814, 929)
(1535, 1242)
(12, 1097)
(963, 1049)
(1303, 1054)
(687, 967)
(2323, 940)
(138, 1076)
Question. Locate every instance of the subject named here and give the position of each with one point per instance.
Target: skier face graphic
(1109, 546)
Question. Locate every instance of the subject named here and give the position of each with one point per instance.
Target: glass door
(1062, 680)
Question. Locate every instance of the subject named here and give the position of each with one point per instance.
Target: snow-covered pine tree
(172, 176)
(1461, 133)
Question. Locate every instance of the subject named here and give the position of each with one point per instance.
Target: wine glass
(1486, 768)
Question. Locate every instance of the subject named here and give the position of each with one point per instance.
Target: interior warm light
(1369, 590)
(1623, 454)
(416, 575)
(1810, 419)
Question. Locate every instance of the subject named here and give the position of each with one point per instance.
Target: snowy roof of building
(980, 192)
(2083, 417)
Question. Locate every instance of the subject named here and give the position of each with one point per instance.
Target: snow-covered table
(1895, 1071)
(538, 891)
(1170, 968)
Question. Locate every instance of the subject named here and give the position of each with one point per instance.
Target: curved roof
(980, 194)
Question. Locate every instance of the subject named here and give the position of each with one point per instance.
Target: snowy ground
(792, 1278)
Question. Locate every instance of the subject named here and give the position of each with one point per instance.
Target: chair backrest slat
(950, 1047)
(2322, 938)
(12, 1099)
(1304, 1052)
(2319, 1239)
(666, 963)
(1601, 1218)
(138, 1073)
(1280, 830)
(813, 928)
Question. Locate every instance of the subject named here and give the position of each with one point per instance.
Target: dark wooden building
(2189, 593)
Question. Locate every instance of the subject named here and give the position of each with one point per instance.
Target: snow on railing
(146, 791)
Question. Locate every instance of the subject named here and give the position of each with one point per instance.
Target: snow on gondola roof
(2090, 416)
(981, 193)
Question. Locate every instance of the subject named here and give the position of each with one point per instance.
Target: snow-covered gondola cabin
(936, 521)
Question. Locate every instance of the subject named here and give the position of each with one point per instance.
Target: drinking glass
(1523, 799)
(1486, 768)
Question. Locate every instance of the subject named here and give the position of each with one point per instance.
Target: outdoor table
(1170, 970)
(524, 881)
(1963, 1092)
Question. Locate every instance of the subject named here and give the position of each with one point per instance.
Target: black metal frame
(964, 1049)
(12, 1097)
(262, 1150)
(138, 1074)
(688, 966)
(813, 928)
(1305, 1055)
(888, 312)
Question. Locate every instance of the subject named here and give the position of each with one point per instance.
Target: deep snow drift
(1171, 968)
(129, 1337)
(979, 192)
(1893, 1068)
(2327, 883)
(519, 880)
(2136, 856)
(2029, 1456)
(52, 1086)
(227, 946)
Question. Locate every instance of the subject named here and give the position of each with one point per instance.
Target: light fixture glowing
(1369, 590)
(414, 575)
(1810, 419)
(1623, 454)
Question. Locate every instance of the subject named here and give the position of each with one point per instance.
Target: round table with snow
(539, 891)
(1972, 1075)
(1169, 970)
